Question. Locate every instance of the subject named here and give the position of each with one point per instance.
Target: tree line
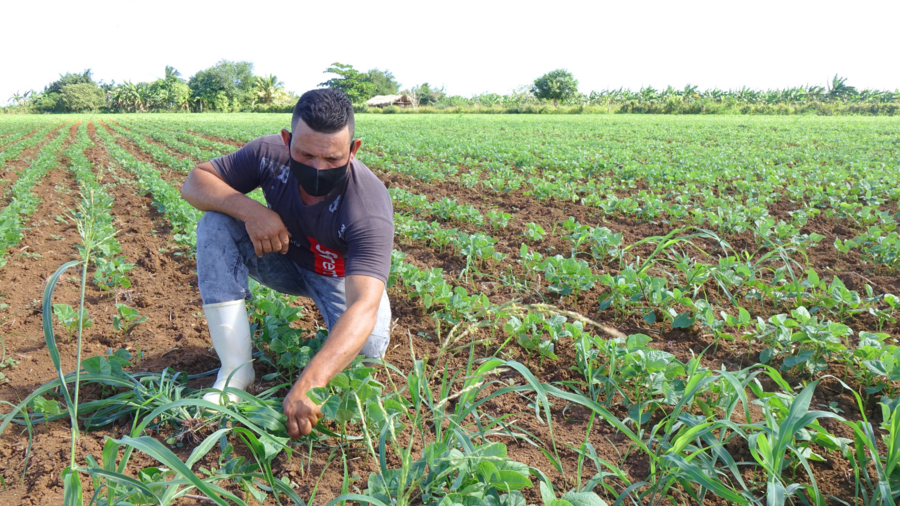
(231, 86)
(228, 86)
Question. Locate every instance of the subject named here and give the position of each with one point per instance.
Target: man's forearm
(344, 342)
(208, 192)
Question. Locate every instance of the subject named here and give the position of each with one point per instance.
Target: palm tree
(171, 73)
(690, 92)
(814, 93)
(183, 101)
(839, 89)
(145, 96)
(268, 87)
(17, 97)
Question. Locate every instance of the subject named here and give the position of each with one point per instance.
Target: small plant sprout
(70, 318)
(127, 319)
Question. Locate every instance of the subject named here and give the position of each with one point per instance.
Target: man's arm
(207, 191)
(344, 342)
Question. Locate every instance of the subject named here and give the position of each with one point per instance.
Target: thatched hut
(402, 101)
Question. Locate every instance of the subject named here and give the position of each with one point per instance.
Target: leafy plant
(126, 319)
(72, 320)
(534, 232)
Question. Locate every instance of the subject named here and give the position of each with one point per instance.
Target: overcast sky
(467, 46)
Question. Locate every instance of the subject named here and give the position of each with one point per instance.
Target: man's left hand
(301, 412)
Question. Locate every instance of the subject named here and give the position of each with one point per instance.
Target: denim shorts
(226, 258)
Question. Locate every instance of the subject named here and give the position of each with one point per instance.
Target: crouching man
(326, 234)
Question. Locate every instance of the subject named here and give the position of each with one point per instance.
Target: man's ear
(286, 137)
(354, 147)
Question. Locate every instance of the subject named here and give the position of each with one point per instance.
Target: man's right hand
(267, 231)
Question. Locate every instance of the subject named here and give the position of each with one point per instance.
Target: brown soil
(164, 290)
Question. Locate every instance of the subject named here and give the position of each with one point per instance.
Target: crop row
(182, 216)
(13, 150)
(567, 276)
(111, 267)
(22, 201)
(730, 195)
(182, 135)
(171, 140)
(673, 299)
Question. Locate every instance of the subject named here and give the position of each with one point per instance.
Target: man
(326, 234)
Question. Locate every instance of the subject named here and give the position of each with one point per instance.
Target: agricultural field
(590, 310)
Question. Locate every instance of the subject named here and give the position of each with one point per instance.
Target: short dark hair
(324, 110)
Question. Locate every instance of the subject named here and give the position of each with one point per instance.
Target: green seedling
(534, 232)
(70, 319)
(127, 319)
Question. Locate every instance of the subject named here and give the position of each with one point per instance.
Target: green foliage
(384, 81)
(269, 88)
(46, 407)
(558, 86)
(69, 79)
(357, 85)
(82, 97)
(226, 86)
(71, 319)
(126, 319)
(425, 95)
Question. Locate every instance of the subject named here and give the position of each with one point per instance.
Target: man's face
(322, 151)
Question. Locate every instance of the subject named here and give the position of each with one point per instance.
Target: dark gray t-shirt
(350, 232)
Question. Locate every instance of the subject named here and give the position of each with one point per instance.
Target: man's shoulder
(370, 192)
(366, 180)
(269, 146)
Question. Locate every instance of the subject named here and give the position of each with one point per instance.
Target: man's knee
(215, 227)
(215, 221)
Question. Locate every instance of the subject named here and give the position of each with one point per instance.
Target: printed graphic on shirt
(328, 262)
(276, 169)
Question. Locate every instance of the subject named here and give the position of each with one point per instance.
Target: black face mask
(318, 182)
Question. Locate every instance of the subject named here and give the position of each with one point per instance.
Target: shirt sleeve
(369, 248)
(240, 169)
(370, 237)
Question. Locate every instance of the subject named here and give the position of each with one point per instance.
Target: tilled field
(744, 259)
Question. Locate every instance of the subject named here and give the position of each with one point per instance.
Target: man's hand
(301, 412)
(267, 231)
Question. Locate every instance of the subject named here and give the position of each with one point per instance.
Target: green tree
(352, 82)
(82, 97)
(51, 98)
(384, 81)
(425, 94)
(227, 85)
(269, 87)
(838, 88)
(48, 102)
(558, 85)
(70, 78)
(17, 98)
(172, 74)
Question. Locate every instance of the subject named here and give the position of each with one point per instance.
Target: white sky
(467, 46)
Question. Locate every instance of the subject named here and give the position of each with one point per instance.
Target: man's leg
(225, 259)
(329, 295)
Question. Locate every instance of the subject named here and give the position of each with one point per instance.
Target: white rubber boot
(230, 333)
